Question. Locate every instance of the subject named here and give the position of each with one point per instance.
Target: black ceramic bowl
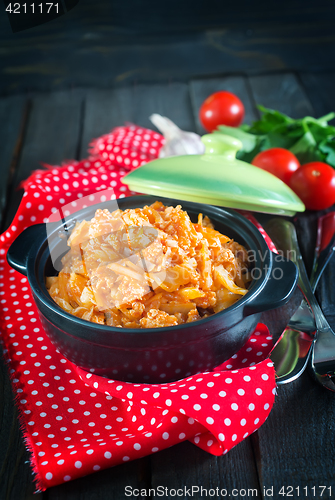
(153, 355)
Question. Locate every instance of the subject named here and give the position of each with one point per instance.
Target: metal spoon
(291, 352)
(309, 319)
(322, 361)
(324, 248)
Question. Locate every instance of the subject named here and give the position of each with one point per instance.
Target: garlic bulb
(177, 142)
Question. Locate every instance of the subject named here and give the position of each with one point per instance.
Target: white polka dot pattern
(128, 147)
(209, 426)
(75, 422)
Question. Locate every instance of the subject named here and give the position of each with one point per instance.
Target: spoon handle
(284, 236)
(325, 246)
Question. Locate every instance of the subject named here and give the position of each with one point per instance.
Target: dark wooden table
(295, 446)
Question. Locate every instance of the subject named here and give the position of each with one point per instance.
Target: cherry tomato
(221, 108)
(314, 183)
(278, 161)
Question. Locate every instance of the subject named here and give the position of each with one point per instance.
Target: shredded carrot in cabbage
(149, 267)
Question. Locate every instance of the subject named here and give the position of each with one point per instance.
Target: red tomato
(314, 183)
(278, 161)
(221, 108)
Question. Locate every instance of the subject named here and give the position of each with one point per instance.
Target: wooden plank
(103, 110)
(202, 88)
(107, 484)
(288, 425)
(124, 20)
(16, 479)
(53, 133)
(106, 109)
(282, 92)
(290, 447)
(294, 445)
(310, 94)
(171, 100)
(115, 44)
(320, 90)
(171, 468)
(185, 465)
(325, 291)
(52, 141)
(13, 115)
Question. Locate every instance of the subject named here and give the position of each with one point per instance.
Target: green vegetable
(310, 139)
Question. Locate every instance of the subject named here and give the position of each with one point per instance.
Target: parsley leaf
(310, 139)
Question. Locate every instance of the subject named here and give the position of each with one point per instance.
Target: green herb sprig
(310, 139)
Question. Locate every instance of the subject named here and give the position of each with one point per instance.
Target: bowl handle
(19, 250)
(278, 289)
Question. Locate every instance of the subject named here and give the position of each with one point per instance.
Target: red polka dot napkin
(74, 422)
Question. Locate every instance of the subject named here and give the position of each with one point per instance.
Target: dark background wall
(113, 42)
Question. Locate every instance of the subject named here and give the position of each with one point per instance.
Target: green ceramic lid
(216, 178)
